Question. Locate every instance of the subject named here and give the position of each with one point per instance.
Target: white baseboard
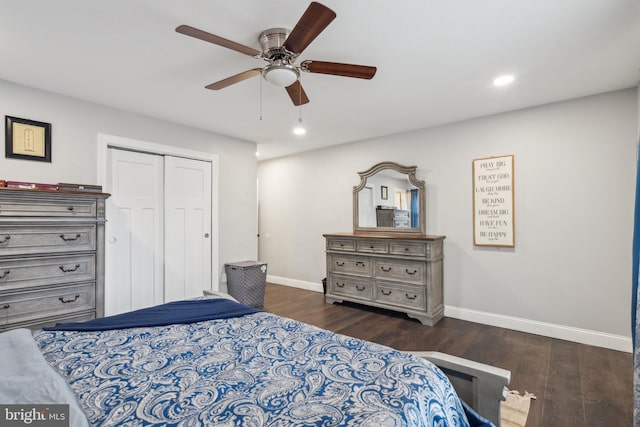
(309, 286)
(568, 333)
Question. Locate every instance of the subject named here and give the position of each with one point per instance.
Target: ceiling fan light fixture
(282, 75)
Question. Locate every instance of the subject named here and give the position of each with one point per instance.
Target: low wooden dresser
(51, 257)
(401, 272)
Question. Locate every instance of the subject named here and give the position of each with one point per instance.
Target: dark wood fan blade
(297, 94)
(313, 21)
(235, 79)
(220, 41)
(338, 69)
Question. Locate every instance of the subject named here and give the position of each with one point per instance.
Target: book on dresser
(65, 186)
(51, 257)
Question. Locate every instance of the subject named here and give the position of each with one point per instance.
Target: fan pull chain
(300, 106)
(261, 99)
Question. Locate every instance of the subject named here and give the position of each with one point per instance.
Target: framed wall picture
(384, 192)
(493, 201)
(27, 139)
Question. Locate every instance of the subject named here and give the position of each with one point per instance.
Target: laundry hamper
(246, 281)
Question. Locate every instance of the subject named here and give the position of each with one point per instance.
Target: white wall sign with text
(493, 201)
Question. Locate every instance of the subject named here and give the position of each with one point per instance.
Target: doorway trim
(105, 141)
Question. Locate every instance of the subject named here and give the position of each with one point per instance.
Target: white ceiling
(435, 59)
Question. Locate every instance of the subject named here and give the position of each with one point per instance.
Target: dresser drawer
(25, 207)
(405, 271)
(351, 287)
(33, 239)
(400, 295)
(22, 273)
(341, 245)
(408, 248)
(372, 246)
(28, 306)
(349, 264)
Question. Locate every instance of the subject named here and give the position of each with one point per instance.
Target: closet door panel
(135, 222)
(187, 227)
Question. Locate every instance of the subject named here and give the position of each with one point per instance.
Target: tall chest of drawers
(392, 271)
(51, 257)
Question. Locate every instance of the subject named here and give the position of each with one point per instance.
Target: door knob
(206, 235)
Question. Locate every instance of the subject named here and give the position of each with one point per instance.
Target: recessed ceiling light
(504, 80)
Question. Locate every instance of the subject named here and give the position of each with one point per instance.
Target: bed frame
(481, 386)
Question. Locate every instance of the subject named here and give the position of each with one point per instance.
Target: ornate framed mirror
(389, 199)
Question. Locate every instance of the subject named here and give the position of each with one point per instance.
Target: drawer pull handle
(340, 264)
(411, 297)
(359, 264)
(386, 270)
(410, 272)
(5, 240)
(64, 301)
(6, 306)
(5, 274)
(386, 293)
(69, 270)
(69, 208)
(70, 239)
(340, 285)
(361, 288)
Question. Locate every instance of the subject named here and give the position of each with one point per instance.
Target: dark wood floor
(575, 384)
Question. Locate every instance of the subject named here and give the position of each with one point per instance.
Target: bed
(213, 361)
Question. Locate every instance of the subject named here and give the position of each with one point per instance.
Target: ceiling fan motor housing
(271, 41)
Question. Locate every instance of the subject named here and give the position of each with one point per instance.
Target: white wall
(569, 274)
(75, 125)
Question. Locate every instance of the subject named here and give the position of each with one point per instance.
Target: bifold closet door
(158, 229)
(187, 212)
(135, 231)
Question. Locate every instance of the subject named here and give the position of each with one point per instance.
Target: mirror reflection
(389, 199)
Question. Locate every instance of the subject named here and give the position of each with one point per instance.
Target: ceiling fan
(281, 48)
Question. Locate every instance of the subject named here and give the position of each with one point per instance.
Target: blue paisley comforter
(256, 370)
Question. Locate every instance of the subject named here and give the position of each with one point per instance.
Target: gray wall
(75, 126)
(575, 164)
